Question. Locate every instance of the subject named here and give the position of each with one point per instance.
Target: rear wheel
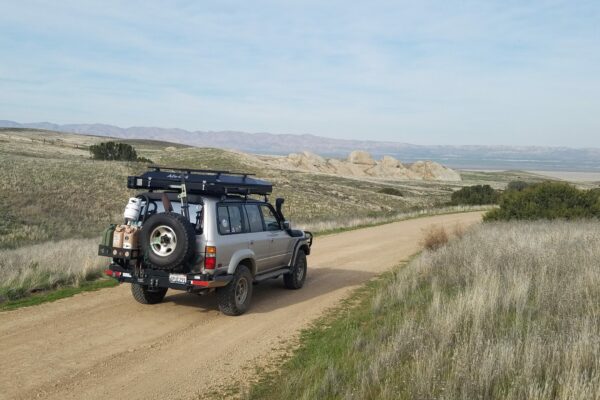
(234, 299)
(297, 275)
(142, 294)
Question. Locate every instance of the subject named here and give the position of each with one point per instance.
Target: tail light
(110, 272)
(210, 257)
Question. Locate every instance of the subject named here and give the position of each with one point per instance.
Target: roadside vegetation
(42, 267)
(548, 200)
(475, 195)
(508, 311)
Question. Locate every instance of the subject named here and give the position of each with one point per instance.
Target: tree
(114, 151)
(475, 195)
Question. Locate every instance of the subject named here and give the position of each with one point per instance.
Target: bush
(517, 186)
(113, 151)
(390, 191)
(548, 200)
(475, 195)
(435, 238)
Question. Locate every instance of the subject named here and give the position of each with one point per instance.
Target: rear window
(223, 220)
(231, 219)
(156, 206)
(254, 218)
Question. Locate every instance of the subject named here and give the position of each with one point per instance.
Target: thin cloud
(424, 72)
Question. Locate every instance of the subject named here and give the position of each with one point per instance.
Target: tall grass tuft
(510, 311)
(435, 237)
(47, 266)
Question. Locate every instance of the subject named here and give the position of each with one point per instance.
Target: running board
(271, 274)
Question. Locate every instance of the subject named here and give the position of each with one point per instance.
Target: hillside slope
(51, 190)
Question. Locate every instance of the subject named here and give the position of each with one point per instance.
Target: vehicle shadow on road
(271, 294)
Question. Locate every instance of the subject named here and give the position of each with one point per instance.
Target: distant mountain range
(474, 157)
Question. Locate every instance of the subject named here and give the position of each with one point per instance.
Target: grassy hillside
(51, 191)
(509, 311)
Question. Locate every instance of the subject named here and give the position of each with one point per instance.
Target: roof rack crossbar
(159, 168)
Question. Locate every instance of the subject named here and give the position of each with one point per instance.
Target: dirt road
(104, 345)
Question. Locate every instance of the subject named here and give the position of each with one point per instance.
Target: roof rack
(199, 181)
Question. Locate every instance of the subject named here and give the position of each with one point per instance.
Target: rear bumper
(164, 279)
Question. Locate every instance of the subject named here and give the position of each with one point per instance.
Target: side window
(223, 220)
(254, 218)
(236, 222)
(271, 221)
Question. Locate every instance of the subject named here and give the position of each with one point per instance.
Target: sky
(424, 72)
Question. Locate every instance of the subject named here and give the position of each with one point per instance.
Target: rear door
(259, 241)
(281, 243)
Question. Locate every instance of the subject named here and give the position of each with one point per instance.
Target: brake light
(210, 257)
(110, 272)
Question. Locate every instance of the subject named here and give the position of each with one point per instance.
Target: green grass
(325, 344)
(57, 294)
(509, 311)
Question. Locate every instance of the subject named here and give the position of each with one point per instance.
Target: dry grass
(435, 237)
(47, 266)
(511, 311)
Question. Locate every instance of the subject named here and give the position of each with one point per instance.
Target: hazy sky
(463, 72)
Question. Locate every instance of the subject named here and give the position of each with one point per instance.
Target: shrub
(517, 186)
(434, 238)
(547, 200)
(390, 191)
(475, 195)
(113, 151)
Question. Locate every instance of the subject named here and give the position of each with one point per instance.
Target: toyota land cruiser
(204, 231)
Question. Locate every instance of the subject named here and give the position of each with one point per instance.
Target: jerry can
(118, 236)
(130, 237)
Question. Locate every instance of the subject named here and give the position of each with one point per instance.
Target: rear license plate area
(178, 278)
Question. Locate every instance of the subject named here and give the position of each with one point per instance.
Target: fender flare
(240, 255)
(301, 244)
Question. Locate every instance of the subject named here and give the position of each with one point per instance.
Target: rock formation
(361, 164)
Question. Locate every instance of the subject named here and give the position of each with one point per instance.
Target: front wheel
(297, 275)
(142, 294)
(234, 299)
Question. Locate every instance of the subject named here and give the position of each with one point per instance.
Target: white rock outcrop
(361, 164)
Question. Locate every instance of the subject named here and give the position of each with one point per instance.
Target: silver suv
(204, 231)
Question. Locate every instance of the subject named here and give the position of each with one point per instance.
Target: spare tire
(168, 241)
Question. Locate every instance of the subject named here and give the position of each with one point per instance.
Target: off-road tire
(143, 295)
(176, 255)
(297, 275)
(227, 296)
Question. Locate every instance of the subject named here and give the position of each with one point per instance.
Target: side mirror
(287, 225)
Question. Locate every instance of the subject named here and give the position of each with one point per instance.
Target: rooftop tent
(199, 181)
